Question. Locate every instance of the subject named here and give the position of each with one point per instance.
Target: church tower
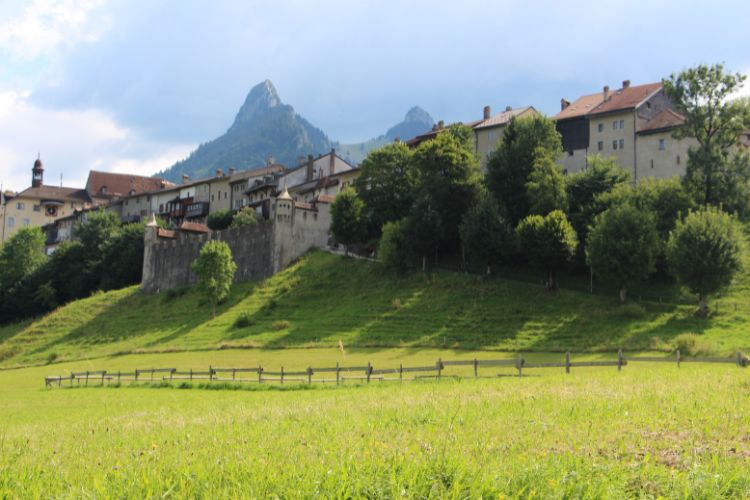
(37, 174)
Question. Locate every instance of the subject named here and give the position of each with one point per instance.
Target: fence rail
(359, 373)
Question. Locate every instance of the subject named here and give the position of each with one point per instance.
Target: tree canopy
(486, 235)
(215, 270)
(548, 242)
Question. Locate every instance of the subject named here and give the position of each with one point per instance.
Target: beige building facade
(490, 131)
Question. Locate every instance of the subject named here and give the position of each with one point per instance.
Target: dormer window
(103, 189)
(131, 192)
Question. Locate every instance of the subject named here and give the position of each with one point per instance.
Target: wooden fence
(339, 374)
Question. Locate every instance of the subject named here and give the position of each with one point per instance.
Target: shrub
(221, 219)
(631, 311)
(244, 320)
(548, 242)
(245, 217)
(280, 325)
(393, 249)
(690, 344)
(51, 358)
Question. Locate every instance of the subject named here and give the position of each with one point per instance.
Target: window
(678, 159)
(126, 203)
(26, 222)
(570, 153)
(315, 216)
(622, 124)
(652, 163)
(492, 135)
(103, 189)
(601, 127)
(622, 143)
(72, 205)
(37, 208)
(600, 145)
(614, 125)
(614, 144)
(212, 197)
(662, 144)
(648, 105)
(225, 194)
(161, 208)
(11, 222)
(20, 205)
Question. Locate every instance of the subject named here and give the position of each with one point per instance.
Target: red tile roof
(112, 185)
(194, 227)
(56, 193)
(665, 120)
(626, 98)
(581, 106)
(325, 198)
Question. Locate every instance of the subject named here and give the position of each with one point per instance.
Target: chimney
(219, 172)
(310, 169)
(185, 178)
(606, 92)
(232, 170)
(625, 84)
(487, 112)
(270, 160)
(441, 125)
(564, 103)
(332, 162)
(508, 108)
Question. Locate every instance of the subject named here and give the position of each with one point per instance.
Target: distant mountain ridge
(264, 126)
(417, 121)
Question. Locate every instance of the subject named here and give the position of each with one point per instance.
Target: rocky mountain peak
(261, 98)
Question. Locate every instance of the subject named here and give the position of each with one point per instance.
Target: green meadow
(651, 430)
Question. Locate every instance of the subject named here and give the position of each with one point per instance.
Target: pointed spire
(152, 221)
(285, 194)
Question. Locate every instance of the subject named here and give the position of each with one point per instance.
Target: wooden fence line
(366, 373)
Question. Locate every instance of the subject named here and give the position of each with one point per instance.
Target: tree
(486, 235)
(509, 167)
(20, 256)
(585, 188)
(545, 189)
(703, 96)
(96, 231)
(387, 184)
(704, 253)
(394, 250)
(622, 246)
(123, 258)
(347, 218)
(449, 176)
(424, 229)
(215, 270)
(245, 216)
(219, 220)
(548, 242)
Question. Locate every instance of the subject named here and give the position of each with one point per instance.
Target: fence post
(567, 362)
(338, 373)
(309, 375)
(171, 374)
(234, 372)
(191, 374)
(401, 372)
(59, 381)
(369, 371)
(440, 367)
(87, 377)
(118, 377)
(260, 374)
(678, 358)
(519, 365)
(282, 374)
(476, 366)
(136, 374)
(104, 372)
(210, 373)
(71, 379)
(740, 360)
(619, 360)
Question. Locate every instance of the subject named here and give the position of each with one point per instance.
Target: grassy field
(325, 299)
(650, 430)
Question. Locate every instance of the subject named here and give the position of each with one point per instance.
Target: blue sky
(133, 86)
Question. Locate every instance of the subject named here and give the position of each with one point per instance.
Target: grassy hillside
(325, 298)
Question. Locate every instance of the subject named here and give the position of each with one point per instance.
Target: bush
(245, 217)
(280, 325)
(221, 219)
(393, 250)
(631, 311)
(690, 344)
(548, 242)
(51, 358)
(244, 320)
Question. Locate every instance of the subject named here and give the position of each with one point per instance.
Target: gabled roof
(415, 141)
(119, 185)
(503, 118)
(626, 98)
(664, 120)
(580, 107)
(194, 227)
(55, 193)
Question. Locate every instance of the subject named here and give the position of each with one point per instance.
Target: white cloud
(84, 139)
(47, 25)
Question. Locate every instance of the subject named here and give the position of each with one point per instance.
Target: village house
(633, 124)
(488, 132)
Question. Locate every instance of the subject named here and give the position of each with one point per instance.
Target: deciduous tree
(486, 235)
(548, 242)
(348, 219)
(215, 269)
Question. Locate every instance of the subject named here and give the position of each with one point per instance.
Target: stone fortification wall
(167, 263)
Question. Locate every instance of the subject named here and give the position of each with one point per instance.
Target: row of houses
(634, 124)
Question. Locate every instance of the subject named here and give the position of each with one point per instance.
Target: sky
(125, 86)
